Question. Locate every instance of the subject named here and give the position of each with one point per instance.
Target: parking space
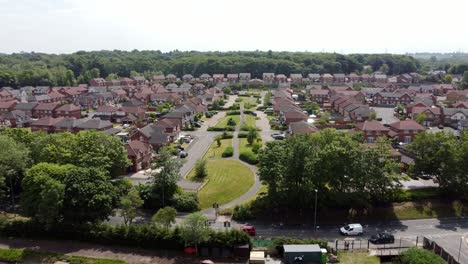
(386, 113)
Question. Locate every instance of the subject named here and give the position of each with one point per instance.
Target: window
(407, 139)
(370, 140)
(406, 131)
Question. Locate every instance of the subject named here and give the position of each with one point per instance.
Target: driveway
(386, 113)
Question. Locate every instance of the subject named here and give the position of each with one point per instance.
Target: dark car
(382, 238)
(183, 154)
(179, 148)
(250, 230)
(196, 124)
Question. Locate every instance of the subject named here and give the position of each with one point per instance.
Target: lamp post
(315, 213)
(459, 249)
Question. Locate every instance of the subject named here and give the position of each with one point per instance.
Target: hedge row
(227, 135)
(228, 152)
(233, 112)
(249, 157)
(145, 236)
(226, 128)
(242, 135)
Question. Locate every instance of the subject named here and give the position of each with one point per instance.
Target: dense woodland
(23, 69)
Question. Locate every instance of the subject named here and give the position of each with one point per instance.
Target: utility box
(310, 254)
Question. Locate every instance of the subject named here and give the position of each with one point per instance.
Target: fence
(434, 247)
(384, 249)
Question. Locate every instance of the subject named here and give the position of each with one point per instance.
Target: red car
(250, 230)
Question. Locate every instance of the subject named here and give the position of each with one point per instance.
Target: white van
(351, 230)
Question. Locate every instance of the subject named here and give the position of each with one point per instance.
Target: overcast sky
(344, 26)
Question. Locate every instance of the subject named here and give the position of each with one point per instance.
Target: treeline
(22, 69)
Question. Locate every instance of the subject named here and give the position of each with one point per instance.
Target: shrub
(185, 202)
(233, 112)
(11, 255)
(242, 135)
(419, 256)
(200, 169)
(458, 208)
(227, 128)
(256, 146)
(227, 135)
(417, 194)
(248, 157)
(238, 100)
(231, 122)
(228, 152)
(242, 213)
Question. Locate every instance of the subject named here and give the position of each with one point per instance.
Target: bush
(185, 202)
(227, 135)
(200, 169)
(238, 100)
(11, 255)
(248, 157)
(242, 135)
(231, 122)
(233, 112)
(228, 152)
(256, 146)
(419, 256)
(242, 213)
(227, 128)
(416, 194)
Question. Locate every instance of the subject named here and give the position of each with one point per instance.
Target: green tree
(88, 194)
(218, 140)
(166, 174)
(252, 135)
(14, 160)
(373, 115)
(165, 217)
(448, 78)
(421, 117)
(112, 76)
(464, 81)
(200, 169)
(195, 230)
(231, 122)
(129, 206)
(419, 256)
(384, 68)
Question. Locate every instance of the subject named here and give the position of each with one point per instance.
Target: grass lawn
(223, 121)
(214, 151)
(357, 258)
(249, 120)
(30, 256)
(244, 145)
(263, 190)
(227, 180)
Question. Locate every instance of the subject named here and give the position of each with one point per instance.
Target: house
(281, 78)
(6, 96)
(244, 77)
(372, 130)
(41, 90)
(326, 78)
(125, 81)
(434, 116)
(405, 131)
(171, 77)
(335, 89)
(18, 118)
(45, 124)
(339, 77)
(380, 78)
(140, 154)
(171, 128)
(268, 78)
(183, 119)
(314, 77)
(462, 125)
(319, 96)
(205, 77)
(455, 96)
(453, 115)
(67, 125)
(109, 112)
(94, 124)
(97, 82)
(153, 135)
(370, 92)
(463, 105)
(391, 99)
(7, 106)
(187, 77)
(218, 78)
(45, 109)
(365, 78)
(68, 110)
(292, 115)
(158, 78)
(296, 78)
(138, 111)
(356, 95)
(139, 80)
(359, 114)
(353, 77)
(301, 127)
(233, 78)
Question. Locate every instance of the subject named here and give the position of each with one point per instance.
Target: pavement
(386, 113)
(454, 244)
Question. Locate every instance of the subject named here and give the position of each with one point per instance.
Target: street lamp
(459, 249)
(315, 214)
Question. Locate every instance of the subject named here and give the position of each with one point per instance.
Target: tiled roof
(372, 125)
(407, 125)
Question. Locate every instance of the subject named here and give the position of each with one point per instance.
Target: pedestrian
(346, 245)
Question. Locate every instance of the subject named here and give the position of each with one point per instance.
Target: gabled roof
(47, 121)
(94, 123)
(452, 111)
(302, 127)
(68, 108)
(136, 147)
(372, 125)
(155, 134)
(68, 123)
(7, 104)
(434, 110)
(407, 125)
(46, 106)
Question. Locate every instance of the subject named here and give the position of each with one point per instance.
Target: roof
(155, 134)
(107, 108)
(136, 147)
(302, 127)
(68, 107)
(68, 123)
(7, 104)
(94, 123)
(46, 106)
(302, 248)
(434, 110)
(47, 121)
(407, 125)
(372, 125)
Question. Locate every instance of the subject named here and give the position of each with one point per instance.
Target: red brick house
(405, 131)
(140, 154)
(391, 99)
(319, 96)
(372, 130)
(68, 110)
(98, 82)
(45, 109)
(301, 127)
(6, 107)
(293, 115)
(455, 96)
(434, 116)
(45, 124)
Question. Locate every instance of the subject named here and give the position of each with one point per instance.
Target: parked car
(279, 137)
(195, 124)
(183, 154)
(382, 238)
(187, 139)
(179, 148)
(351, 230)
(250, 230)
(275, 134)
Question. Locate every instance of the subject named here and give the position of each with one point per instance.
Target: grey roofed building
(362, 111)
(302, 248)
(185, 86)
(132, 102)
(301, 127)
(97, 89)
(94, 123)
(39, 98)
(205, 76)
(156, 135)
(244, 76)
(339, 75)
(68, 123)
(113, 131)
(171, 86)
(41, 90)
(26, 106)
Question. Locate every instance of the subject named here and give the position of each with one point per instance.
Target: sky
(343, 26)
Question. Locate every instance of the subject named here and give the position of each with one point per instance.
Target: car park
(352, 230)
(382, 238)
(250, 230)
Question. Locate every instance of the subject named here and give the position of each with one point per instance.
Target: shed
(311, 254)
(257, 257)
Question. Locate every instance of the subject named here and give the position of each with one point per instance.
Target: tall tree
(129, 206)
(165, 217)
(252, 135)
(166, 174)
(195, 230)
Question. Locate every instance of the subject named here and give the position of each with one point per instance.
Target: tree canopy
(344, 171)
(22, 69)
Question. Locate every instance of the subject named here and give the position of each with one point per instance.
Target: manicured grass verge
(226, 181)
(357, 257)
(223, 121)
(249, 121)
(263, 190)
(214, 151)
(30, 256)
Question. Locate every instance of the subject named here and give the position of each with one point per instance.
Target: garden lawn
(244, 145)
(249, 120)
(223, 121)
(227, 180)
(357, 258)
(214, 151)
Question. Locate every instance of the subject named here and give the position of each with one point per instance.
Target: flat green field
(357, 258)
(223, 121)
(227, 180)
(244, 145)
(249, 120)
(215, 152)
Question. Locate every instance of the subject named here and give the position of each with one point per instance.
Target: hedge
(417, 194)
(227, 135)
(11, 255)
(242, 135)
(226, 128)
(228, 152)
(248, 157)
(233, 112)
(144, 236)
